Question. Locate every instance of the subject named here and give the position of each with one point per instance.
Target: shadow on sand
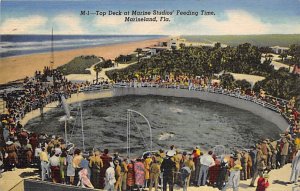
(29, 174)
(243, 185)
(281, 182)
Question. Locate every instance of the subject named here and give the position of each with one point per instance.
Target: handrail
(173, 85)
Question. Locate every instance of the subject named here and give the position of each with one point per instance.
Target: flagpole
(66, 138)
(82, 132)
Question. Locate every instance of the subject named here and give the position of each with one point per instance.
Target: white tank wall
(256, 109)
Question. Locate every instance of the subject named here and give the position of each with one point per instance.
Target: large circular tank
(184, 122)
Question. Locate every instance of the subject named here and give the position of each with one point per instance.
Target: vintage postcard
(126, 95)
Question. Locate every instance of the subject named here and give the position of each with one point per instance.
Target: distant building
(176, 42)
(279, 49)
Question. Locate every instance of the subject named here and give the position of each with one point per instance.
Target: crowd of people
(286, 108)
(63, 163)
(36, 92)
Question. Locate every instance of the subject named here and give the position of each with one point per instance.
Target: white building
(279, 49)
(175, 43)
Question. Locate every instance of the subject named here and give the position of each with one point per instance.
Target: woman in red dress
(130, 175)
(214, 171)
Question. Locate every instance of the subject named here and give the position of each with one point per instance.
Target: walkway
(279, 179)
(120, 66)
(276, 64)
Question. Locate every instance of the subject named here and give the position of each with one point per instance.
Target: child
(263, 183)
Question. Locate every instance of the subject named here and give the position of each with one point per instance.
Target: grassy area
(79, 65)
(257, 40)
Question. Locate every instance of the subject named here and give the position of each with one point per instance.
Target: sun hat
(111, 164)
(9, 142)
(266, 175)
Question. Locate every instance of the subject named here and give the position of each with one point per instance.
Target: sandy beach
(14, 68)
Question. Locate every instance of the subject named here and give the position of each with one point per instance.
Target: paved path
(120, 66)
(278, 181)
(277, 64)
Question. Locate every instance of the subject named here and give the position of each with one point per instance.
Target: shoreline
(18, 67)
(83, 47)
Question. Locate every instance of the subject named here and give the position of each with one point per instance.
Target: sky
(231, 17)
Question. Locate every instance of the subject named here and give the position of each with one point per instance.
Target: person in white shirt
(172, 151)
(206, 162)
(110, 178)
(54, 166)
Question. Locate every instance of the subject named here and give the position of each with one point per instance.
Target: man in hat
(260, 165)
(168, 167)
(118, 175)
(206, 162)
(147, 163)
(154, 175)
(284, 150)
(176, 158)
(273, 146)
(11, 150)
(222, 174)
(253, 154)
(234, 178)
(185, 173)
(191, 165)
(96, 165)
(106, 158)
(54, 166)
(124, 171)
(162, 154)
(117, 157)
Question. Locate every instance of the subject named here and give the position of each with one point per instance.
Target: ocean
(15, 45)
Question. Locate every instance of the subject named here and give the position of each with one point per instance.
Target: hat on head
(9, 142)
(266, 175)
(111, 164)
(97, 152)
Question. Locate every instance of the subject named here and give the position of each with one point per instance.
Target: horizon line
(163, 34)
